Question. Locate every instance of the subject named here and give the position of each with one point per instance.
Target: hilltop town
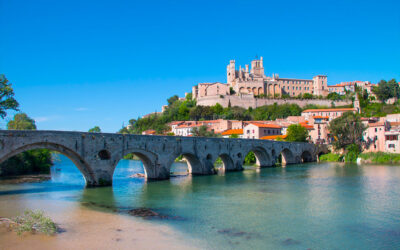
(310, 103)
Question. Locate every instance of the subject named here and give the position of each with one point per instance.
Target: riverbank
(365, 158)
(19, 179)
(83, 228)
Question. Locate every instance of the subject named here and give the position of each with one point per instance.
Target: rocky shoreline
(18, 179)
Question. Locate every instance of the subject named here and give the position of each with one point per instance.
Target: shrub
(381, 157)
(331, 157)
(35, 221)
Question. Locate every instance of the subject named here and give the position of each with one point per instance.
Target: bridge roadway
(97, 154)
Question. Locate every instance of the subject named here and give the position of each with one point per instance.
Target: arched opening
(224, 163)
(104, 155)
(65, 166)
(285, 157)
(187, 163)
(135, 167)
(257, 157)
(306, 157)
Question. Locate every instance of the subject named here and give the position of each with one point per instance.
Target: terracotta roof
(273, 137)
(189, 126)
(266, 125)
(307, 126)
(376, 124)
(320, 117)
(150, 131)
(328, 110)
(233, 132)
(175, 122)
(394, 123)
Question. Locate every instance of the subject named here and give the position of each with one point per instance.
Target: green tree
(250, 158)
(28, 162)
(21, 121)
(347, 130)
(334, 96)
(95, 129)
(296, 133)
(386, 90)
(172, 99)
(308, 96)
(234, 136)
(7, 100)
(203, 132)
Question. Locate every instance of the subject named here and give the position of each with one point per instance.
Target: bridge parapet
(97, 154)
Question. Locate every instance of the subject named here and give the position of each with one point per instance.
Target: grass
(330, 157)
(380, 157)
(35, 221)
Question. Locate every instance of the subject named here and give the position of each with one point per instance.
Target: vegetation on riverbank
(184, 110)
(37, 161)
(371, 157)
(34, 222)
(380, 157)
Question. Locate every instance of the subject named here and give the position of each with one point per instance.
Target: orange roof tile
(233, 132)
(175, 122)
(394, 123)
(273, 137)
(328, 110)
(376, 124)
(266, 125)
(320, 117)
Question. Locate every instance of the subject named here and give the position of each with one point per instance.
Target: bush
(353, 151)
(250, 158)
(35, 221)
(330, 157)
(380, 157)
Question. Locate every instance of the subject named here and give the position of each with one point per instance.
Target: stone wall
(247, 101)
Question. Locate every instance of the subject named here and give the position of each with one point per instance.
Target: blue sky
(76, 64)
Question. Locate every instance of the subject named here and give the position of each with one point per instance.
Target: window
(376, 130)
(248, 131)
(391, 146)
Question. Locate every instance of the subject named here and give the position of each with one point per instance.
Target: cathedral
(253, 81)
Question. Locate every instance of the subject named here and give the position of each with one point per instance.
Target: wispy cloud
(81, 109)
(46, 118)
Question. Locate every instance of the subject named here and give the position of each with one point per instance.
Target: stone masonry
(97, 154)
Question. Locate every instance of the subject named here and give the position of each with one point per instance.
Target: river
(316, 206)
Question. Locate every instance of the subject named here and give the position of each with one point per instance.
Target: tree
(21, 121)
(386, 90)
(334, 96)
(203, 132)
(296, 133)
(308, 96)
(7, 101)
(347, 129)
(172, 99)
(28, 162)
(234, 136)
(95, 129)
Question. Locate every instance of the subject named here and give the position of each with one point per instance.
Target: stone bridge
(97, 154)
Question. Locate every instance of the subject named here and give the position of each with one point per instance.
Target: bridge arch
(147, 158)
(262, 157)
(288, 156)
(227, 162)
(79, 162)
(306, 156)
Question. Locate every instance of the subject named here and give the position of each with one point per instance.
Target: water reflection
(301, 206)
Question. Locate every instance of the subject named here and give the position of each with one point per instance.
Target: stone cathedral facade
(253, 81)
